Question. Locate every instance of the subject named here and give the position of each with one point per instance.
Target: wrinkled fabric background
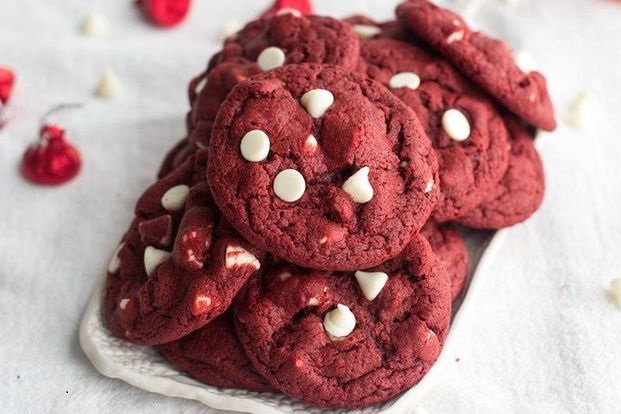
(543, 337)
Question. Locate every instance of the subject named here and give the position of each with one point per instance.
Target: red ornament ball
(165, 13)
(52, 160)
(303, 6)
(7, 79)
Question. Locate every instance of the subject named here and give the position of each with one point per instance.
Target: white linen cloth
(544, 336)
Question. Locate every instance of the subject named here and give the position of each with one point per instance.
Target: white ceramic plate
(144, 368)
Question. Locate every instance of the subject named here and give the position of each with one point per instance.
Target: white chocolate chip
(323, 240)
(255, 146)
(115, 261)
(615, 290)
(456, 124)
(582, 112)
(317, 102)
(201, 304)
(237, 256)
(229, 28)
(289, 185)
(200, 85)
(403, 164)
(524, 60)
(271, 58)
(404, 80)
(455, 37)
(359, 187)
(366, 31)
(123, 303)
(95, 24)
(311, 143)
(339, 322)
(429, 187)
(313, 302)
(371, 283)
(289, 10)
(153, 258)
(109, 85)
(174, 198)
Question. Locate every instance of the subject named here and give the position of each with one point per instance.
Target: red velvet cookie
(214, 355)
(465, 128)
(321, 167)
(488, 62)
(291, 39)
(218, 84)
(175, 157)
(347, 340)
(520, 192)
(179, 265)
(451, 252)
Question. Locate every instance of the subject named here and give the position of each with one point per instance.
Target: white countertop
(544, 337)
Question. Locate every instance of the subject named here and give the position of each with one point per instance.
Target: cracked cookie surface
(488, 62)
(282, 323)
(180, 264)
(469, 168)
(214, 355)
(520, 192)
(357, 169)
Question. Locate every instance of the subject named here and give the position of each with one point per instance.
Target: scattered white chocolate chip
(455, 37)
(403, 164)
(238, 256)
(429, 187)
(456, 124)
(359, 187)
(115, 261)
(582, 112)
(524, 60)
(313, 302)
(153, 258)
(323, 240)
(95, 24)
(289, 185)
(615, 290)
(229, 28)
(271, 58)
(311, 143)
(317, 102)
(371, 283)
(289, 10)
(339, 322)
(123, 303)
(255, 146)
(200, 85)
(174, 198)
(109, 85)
(366, 31)
(404, 80)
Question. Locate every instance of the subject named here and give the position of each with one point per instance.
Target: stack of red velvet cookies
(300, 239)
